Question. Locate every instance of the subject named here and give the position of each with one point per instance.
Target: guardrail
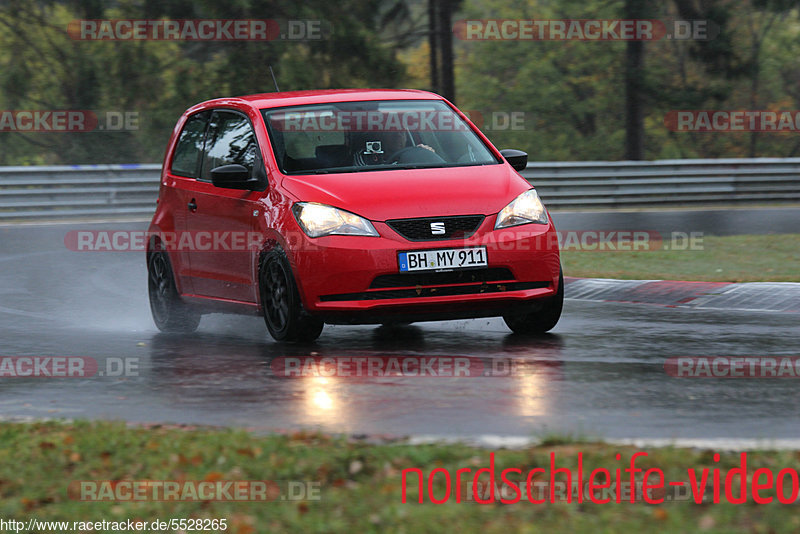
(92, 191)
(691, 182)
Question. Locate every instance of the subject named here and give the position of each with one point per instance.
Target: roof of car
(290, 98)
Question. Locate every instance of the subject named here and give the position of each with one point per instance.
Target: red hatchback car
(347, 206)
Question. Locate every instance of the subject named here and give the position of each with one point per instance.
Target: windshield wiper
(367, 168)
(440, 165)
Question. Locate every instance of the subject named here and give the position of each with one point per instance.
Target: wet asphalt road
(601, 372)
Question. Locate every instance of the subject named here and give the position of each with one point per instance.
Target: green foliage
(42, 68)
(572, 92)
(569, 90)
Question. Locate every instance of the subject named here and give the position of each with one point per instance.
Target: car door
(182, 176)
(222, 221)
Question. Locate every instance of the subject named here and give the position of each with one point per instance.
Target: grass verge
(744, 258)
(359, 483)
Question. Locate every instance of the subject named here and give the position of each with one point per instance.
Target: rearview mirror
(517, 158)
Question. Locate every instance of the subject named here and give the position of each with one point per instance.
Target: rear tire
(543, 319)
(170, 313)
(283, 310)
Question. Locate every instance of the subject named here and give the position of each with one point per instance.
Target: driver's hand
(426, 147)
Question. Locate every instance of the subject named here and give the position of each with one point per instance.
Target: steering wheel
(415, 154)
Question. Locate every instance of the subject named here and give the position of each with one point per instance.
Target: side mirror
(235, 177)
(517, 158)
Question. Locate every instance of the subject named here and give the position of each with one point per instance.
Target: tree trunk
(433, 45)
(440, 41)
(446, 45)
(634, 72)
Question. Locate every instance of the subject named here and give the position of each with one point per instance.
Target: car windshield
(373, 135)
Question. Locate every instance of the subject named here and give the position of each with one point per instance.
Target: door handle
(192, 205)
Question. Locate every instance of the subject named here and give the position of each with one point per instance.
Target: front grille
(447, 291)
(455, 227)
(494, 274)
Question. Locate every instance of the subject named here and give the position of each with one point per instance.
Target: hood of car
(409, 193)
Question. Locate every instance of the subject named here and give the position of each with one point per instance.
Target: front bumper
(348, 279)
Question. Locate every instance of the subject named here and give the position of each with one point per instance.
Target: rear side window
(186, 160)
(230, 140)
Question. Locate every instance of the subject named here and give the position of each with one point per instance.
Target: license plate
(442, 259)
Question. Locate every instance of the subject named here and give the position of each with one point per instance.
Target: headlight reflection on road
(529, 388)
(321, 400)
(535, 388)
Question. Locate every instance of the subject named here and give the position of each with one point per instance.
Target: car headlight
(318, 220)
(526, 208)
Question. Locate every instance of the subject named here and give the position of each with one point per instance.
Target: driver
(381, 150)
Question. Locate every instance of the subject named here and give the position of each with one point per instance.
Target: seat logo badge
(437, 228)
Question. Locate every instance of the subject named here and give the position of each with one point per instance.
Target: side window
(190, 145)
(230, 140)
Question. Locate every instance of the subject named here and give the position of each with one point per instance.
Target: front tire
(170, 313)
(283, 311)
(543, 319)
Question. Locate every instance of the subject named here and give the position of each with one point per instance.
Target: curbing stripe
(493, 441)
(752, 296)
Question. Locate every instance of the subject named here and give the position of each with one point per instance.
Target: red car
(347, 206)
